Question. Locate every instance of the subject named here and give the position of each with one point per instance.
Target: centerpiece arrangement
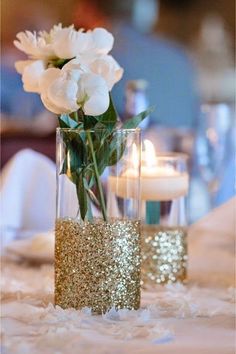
(97, 253)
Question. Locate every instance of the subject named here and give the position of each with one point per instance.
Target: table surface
(197, 318)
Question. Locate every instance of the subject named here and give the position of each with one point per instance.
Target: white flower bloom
(46, 80)
(59, 91)
(104, 65)
(84, 82)
(31, 71)
(108, 68)
(35, 47)
(67, 43)
(49, 36)
(64, 43)
(65, 91)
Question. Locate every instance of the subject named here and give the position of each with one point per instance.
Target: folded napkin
(28, 192)
(220, 221)
(211, 247)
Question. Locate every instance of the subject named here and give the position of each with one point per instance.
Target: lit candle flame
(149, 153)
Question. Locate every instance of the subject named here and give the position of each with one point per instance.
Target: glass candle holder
(98, 242)
(164, 186)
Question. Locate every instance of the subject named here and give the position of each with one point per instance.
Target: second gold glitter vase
(164, 228)
(98, 243)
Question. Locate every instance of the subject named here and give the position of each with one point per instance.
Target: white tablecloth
(197, 318)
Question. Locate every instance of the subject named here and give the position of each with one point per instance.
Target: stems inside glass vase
(97, 178)
(96, 172)
(93, 143)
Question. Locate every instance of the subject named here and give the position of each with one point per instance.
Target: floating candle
(160, 181)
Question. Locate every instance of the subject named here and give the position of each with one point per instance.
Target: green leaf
(82, 197)
(116, 152)
(76, 154)
(88, 173)
(65, 121)
(89, 122)
(133, 122)
(74, 164)
(102, 156)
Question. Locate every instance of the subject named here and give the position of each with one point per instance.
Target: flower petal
(107, 67)
(27, 42)
(47, 78)
(68, 43)
(32, 74)
(35, 47)
(20, 65)
(94, 90)
(59, 90)
(48, 104)
(103, 40)
(63, 93)
(78, 64)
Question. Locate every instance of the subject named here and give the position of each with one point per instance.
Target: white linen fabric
(193, 319)
(28, 192)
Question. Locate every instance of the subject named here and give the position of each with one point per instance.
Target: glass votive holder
(164, 187)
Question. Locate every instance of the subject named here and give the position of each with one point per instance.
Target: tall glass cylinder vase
(164, 225)
(97, 252)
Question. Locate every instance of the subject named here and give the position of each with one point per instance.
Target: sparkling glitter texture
(164, 254)
(97, 264)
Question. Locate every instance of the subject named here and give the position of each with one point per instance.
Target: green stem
(89, 212)
(75, 114)
(97, 177)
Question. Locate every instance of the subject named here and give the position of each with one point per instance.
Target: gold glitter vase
(164, 251)
(164, 228)
(98, 253)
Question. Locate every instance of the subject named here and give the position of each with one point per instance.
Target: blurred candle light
(159, 181)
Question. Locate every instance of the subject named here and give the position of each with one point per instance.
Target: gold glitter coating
(97, 264)
(164, 254)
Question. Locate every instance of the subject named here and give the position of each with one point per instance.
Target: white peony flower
(59, 91)
(104, 65)
(58, 43)
(35, 47)
(31, 71)
(65, 91)
(68, 43)
(84, 82)
(64, 43)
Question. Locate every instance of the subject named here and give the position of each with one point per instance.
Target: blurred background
(177, 54)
